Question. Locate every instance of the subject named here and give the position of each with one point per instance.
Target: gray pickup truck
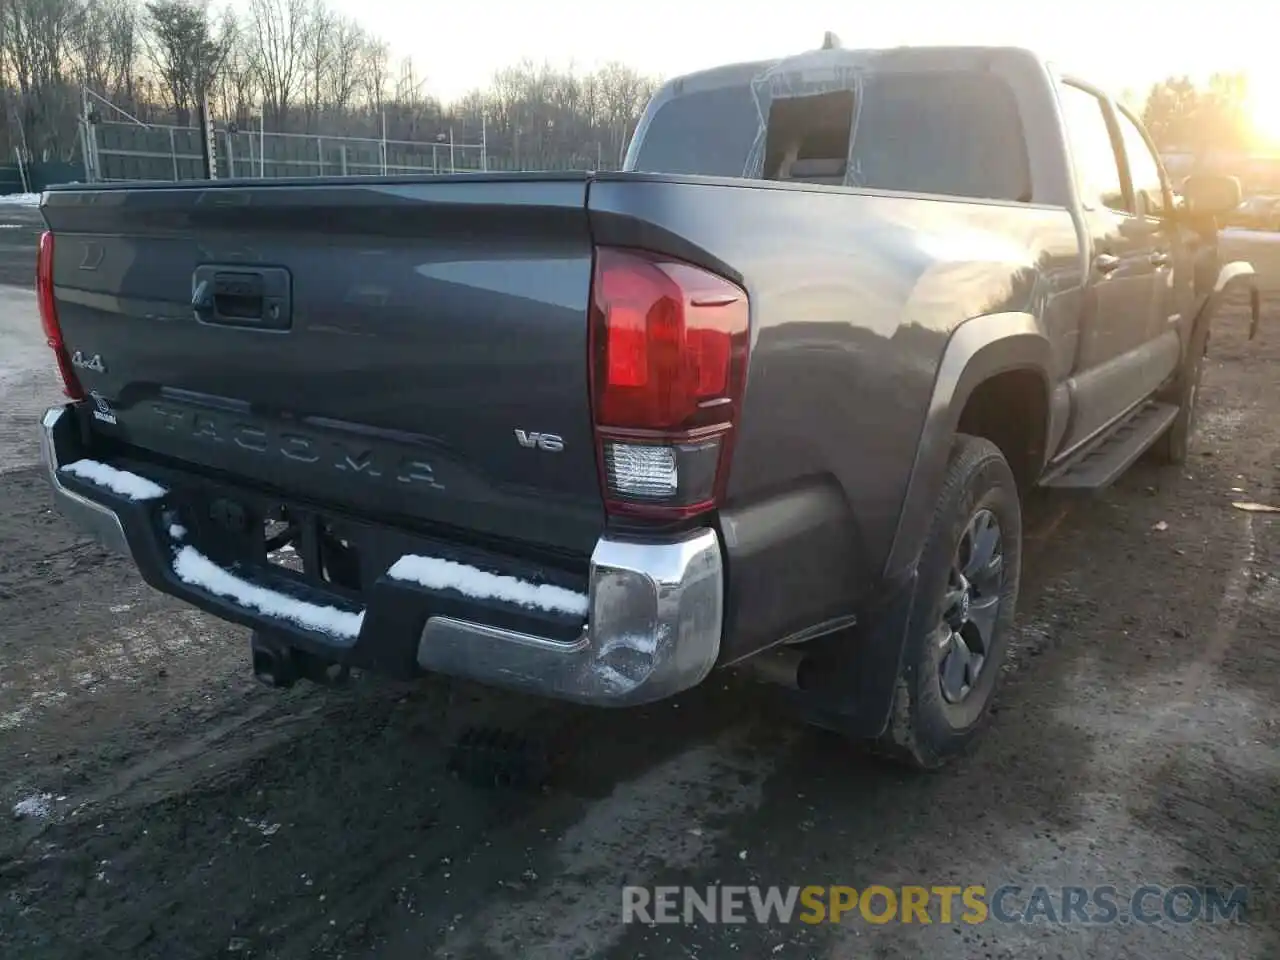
(770, 395)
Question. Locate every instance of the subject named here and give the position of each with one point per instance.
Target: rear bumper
(652, 626)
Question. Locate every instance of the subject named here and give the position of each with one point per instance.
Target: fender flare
(1231, 272)
(978, 349)
(1230, 275)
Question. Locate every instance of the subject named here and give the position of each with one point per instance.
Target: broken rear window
(954, 133)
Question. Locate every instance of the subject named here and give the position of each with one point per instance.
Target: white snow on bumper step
(436, 574)
(122, 482)
(197, 570)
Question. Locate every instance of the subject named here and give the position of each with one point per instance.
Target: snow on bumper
(652, 614)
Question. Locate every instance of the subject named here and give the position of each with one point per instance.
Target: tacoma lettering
(358, 462)
(297, 447)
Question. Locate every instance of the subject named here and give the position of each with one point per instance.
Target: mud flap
(856, 671)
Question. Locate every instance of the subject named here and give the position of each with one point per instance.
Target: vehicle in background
(770, 396)
(1257, 213)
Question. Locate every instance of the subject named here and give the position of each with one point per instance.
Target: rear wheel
(1174, 445)
(963, 610)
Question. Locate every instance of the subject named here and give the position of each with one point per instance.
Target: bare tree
(279, 32)
(90, 50)
(300, 66)
(375, 60)
(346, 43)
(121, 35)
(237, 92)
(39, 40)
(318, 55)
(623, 94)
(108, 43)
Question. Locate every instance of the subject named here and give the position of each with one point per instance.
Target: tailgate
(413, 350)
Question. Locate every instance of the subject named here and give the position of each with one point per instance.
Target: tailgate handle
(256, 297)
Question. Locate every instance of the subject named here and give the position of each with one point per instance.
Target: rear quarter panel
(854, 297)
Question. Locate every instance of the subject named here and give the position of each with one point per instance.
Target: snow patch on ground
(195, 569)
(20, 199)
(436, 574)
(38, 806)
(39, 699)
(123, 482)
(262, 826)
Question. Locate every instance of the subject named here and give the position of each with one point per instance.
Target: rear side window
(951, 133)
(707, 133)
(1144, 171)
(957, 134)
(1092, 150)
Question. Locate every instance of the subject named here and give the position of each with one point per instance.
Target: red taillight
(669, 359)
(49, 317)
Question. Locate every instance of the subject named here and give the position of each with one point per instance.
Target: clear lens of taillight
(49, 317)
(669, 344)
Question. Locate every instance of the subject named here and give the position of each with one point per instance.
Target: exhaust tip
(784, 668)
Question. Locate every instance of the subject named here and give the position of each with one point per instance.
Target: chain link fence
(130, 151)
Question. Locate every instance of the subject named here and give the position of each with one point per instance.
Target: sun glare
(1264, 112)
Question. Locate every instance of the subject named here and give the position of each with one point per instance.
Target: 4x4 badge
(93, 363)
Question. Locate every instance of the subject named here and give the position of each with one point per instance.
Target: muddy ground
(173, 809)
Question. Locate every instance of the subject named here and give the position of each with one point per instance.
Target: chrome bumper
(655, 614)
(94, 518)
(653, 625)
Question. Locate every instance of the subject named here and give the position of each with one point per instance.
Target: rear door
(1153, 207)
(410, 350)
(1111, 371)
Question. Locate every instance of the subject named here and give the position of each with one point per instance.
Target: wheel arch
(985, 356)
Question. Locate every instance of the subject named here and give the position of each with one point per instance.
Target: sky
(1117, 44)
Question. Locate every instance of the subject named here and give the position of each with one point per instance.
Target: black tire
(926, 728)
(1175, 443)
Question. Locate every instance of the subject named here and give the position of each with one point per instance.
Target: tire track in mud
(665, 820)
(124, 655)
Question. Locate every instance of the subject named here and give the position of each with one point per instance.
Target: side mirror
(1210, 195)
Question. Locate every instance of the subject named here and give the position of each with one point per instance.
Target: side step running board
(1111, 456)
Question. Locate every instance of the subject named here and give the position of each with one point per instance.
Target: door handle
(1105, 263)
(1160, 258)
(242, 296)
(202, 300)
